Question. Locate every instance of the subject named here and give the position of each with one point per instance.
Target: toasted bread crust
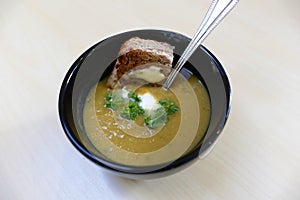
(135, 52)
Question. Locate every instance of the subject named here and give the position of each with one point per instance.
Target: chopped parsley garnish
(169, 106)
(130, 108)
(156, 119)
(134, 97)
(112, 100)
(160, 115)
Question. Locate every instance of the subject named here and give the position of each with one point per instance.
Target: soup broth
(130, 142)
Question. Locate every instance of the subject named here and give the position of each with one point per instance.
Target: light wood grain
(258, 156)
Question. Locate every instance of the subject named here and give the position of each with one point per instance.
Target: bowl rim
(183, 160)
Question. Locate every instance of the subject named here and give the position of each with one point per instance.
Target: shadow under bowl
(96, 62)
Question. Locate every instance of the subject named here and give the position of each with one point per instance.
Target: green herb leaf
(134, 97)
(131, 111)
(169, 106)
(156, 119)
(112, 100)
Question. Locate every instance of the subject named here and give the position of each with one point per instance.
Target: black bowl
(97, 61)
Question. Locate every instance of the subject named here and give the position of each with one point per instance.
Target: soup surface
(131, 142)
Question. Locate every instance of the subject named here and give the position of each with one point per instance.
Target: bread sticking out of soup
(135, 52)
(131, 120)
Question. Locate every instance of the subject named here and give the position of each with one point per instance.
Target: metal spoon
(216, 13)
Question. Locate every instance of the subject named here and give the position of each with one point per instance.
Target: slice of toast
(137, 51)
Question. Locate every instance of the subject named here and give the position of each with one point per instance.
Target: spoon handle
(216, 13)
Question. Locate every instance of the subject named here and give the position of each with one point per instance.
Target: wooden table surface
(258, 155)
